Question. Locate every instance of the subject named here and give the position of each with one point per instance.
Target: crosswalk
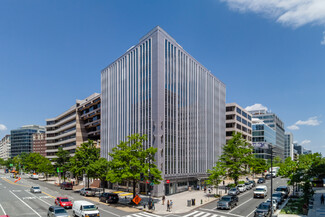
(192, 214)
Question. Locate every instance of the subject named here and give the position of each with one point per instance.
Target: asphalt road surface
(17, 201)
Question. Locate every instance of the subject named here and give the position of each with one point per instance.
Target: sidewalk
(317, 209)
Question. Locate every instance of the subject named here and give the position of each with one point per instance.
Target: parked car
(261, 180)
(83, 208)
(63, 202)
(66, 186)
(275, 203)
(279, 195)
(35, 189)
(227, 202)
(260, 191)
(109, 198)
(248, 185)
(233, 191)
(263, 210)
(284, 189)
(253, 183)
(56, 211)
(87, 192)
(278, 199)
(241, 187)
(268, 176)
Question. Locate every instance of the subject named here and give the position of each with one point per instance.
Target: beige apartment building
(5, 146)
(74, 126)
(238, 120)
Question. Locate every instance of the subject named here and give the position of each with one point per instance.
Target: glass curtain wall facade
(22, 139)
(157, 88)
(262, 133)
(288, 146)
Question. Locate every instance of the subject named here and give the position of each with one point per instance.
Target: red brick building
(39, 143)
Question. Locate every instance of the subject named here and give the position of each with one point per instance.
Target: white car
(275, 203)
(35, 189)
(241, 187)
(83, 208)
(34, 176)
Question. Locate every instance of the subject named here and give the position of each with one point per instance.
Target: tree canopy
(129, 159)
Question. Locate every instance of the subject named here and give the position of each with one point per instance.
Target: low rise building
(5, 146)
(39, 143)
(238, 120)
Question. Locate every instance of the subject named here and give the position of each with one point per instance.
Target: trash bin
(193, 202)
(188, 202)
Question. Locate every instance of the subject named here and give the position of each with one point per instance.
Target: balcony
(61, 129)
(72, 117)
(61, 142)
(62, 135)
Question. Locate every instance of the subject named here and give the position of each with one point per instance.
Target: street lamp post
(271, 180)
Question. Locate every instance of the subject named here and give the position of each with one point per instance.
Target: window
(244, 114)
(244, 121)
(238, 118)
(238, 110)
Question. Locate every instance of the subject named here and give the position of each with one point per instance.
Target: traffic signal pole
(271, 180)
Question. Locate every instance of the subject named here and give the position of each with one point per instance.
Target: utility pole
(149, 205)
(271, 180)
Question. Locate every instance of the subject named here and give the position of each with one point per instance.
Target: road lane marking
(16, 190)
(25, 204)
(250, 213)
(216, 211)
(240, 205)
(3, 210)
(39, 198)
(107, 211)
(29, 198)
(192, 213)
(48, 194)
(10, 182)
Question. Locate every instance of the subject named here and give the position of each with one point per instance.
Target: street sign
(167, 181)
(59, 170)
(136, 199)
(11, 165)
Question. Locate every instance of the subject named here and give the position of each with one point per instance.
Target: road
(17, 201)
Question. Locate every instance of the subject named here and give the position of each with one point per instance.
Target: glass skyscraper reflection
(157, 88)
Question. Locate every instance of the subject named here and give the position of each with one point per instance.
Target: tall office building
(238, 120)
(74, 126)
(22, 139)
(288, 145)
(273, 121)
(263, 138)
(158, 89)
(5, 146)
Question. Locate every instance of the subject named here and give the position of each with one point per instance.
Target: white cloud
(305, 142)
(293, 127)
(323, 42)
(256, 106)
(312, 121)
(294, 13)
(2, 127)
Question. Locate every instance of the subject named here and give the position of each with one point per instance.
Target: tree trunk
(88, 180)
(134, 188)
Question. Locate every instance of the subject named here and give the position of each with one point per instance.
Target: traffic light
(141, 176)
(152, 178)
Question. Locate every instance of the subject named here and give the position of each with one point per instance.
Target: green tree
(8, 163)
(99, 169)
(259, 165)
(237, 156)
(33, 160)
(2, 162)
(129, 159)
(217, 174)
(85, 154)
(46, 167)
(63, 161)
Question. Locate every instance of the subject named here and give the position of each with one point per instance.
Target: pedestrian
(205, 189)
(168, 206)
(223, 182)
(163, 200)
(322, 199)
(209, 189)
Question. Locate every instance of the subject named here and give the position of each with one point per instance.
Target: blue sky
(268, 52)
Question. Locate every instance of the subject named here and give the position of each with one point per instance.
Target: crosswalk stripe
(200, 213)
(136, 215)
(150, 214)
(206, 215)
(192, 213)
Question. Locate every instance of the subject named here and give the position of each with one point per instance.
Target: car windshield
(279, 189)
(226, 198)
(277, 195)
(240, 185)
(88, 189)
(263, 206)
(58, 211)
(65, 200)
(259, 189)
(36, 187)
(233, 189)
(89, 207)
(260, 179)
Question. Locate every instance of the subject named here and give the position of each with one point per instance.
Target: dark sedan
(109, 198)
(261, 180)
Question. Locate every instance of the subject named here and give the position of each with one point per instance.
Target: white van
(260, 191)
(82, 208)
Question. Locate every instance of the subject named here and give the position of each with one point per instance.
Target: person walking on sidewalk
(322, 199)
(168, 206)
(163, 200)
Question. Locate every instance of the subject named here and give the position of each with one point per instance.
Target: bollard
(201, 201)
